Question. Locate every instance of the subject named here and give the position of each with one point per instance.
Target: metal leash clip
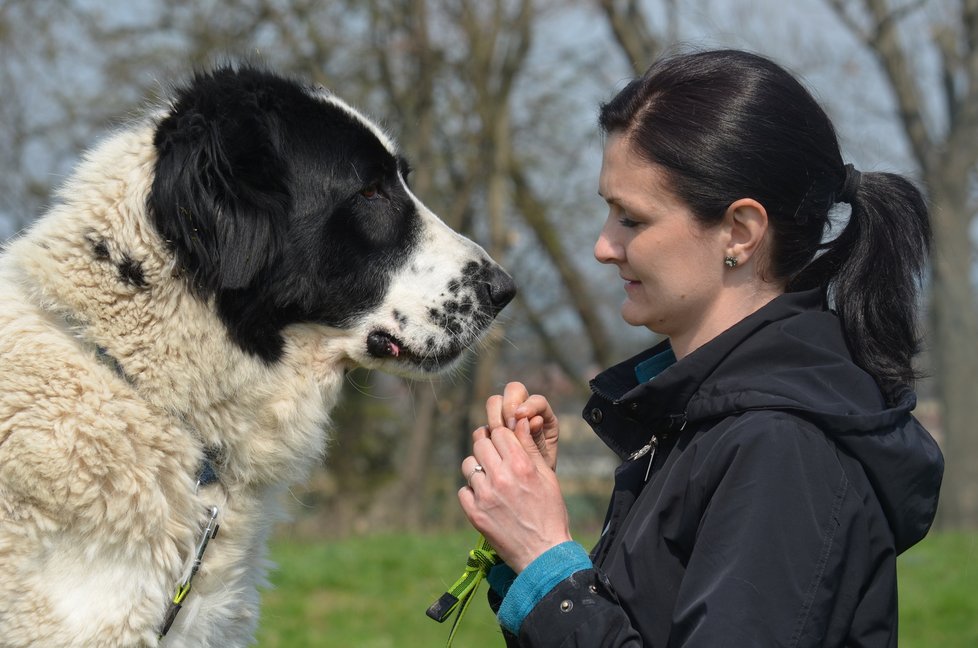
(210, 530)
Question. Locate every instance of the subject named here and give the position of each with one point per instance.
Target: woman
(771, 469)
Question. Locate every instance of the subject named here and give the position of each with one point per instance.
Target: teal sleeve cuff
(536, 581)
(500, 578)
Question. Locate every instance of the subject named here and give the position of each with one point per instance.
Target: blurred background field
(372, 592)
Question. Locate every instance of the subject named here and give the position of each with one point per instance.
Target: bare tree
(630, 27)
(29, 57)
(948, 161)
(534, 211)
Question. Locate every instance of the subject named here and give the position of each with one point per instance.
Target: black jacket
(780, 492)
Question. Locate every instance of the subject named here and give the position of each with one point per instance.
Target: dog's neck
(171, 352)
(207, 469)
(266, 422)
(95, 262)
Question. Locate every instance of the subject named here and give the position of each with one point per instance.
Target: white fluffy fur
(98, 512)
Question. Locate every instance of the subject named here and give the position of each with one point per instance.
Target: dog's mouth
(385, 346)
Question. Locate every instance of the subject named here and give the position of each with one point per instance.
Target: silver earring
(730, 262)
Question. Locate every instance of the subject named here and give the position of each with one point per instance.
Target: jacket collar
(790, 355)
(627, 408)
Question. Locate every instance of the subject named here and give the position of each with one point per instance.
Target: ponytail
(872, 273)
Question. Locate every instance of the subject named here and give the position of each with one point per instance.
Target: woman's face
(672, 267)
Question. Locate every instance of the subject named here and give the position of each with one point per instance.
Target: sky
(804, 35)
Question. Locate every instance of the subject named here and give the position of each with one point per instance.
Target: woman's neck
(732, 307)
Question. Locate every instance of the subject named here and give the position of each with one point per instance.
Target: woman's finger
(481, 432)
(494, 411)
(535, 405)
(514, 395)
(486, 453)
(516, 448)
(472, 471)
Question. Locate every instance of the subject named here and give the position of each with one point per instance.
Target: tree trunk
(953, 334)
(534, 212)
(393, 509)
(948, 161)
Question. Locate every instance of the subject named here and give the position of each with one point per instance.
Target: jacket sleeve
(582, 611)
(548, 611)
(772, 495)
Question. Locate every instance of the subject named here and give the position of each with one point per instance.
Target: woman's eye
(625, 221)
(370, 192)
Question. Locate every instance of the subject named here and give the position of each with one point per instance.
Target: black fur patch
(101, 250)
(400, 318)
(261, 188)
(131, 272)
(481, 292)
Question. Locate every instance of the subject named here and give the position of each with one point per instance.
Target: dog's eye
(370, 192)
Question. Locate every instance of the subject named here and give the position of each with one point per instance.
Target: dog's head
(285, 205)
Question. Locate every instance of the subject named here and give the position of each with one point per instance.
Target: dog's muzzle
(497, 290)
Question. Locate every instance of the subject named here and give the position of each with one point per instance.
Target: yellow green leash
(481, 559)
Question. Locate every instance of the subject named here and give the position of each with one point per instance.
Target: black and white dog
(173, 334)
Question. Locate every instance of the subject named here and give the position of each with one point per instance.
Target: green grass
(372, 592)
(939, 592)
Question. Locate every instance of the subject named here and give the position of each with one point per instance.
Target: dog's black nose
(501, 288)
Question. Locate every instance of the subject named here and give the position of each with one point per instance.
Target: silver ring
(478, 469)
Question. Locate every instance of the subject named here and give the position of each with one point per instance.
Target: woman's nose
(605, 251)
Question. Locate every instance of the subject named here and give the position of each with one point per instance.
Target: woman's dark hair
(727, 125)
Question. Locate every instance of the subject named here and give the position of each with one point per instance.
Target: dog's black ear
(220, 193)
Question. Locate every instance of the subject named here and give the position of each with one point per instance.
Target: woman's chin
(632, 315)
(643, 318)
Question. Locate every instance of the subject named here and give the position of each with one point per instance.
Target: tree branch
(630, 28)
(839, 6)
(534, 212)
(965, 124)
(883, 41)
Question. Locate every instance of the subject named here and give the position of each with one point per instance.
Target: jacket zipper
(647, 449)
(675, 421)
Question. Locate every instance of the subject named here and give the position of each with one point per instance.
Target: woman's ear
(746, 220)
